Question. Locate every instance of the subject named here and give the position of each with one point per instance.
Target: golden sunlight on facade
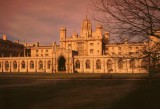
(90, 52)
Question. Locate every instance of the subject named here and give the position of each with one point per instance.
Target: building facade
(90, 52)
(9, 48)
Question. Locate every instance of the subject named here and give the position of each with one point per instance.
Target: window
(42, 55)
(109, 65)
(6, 65)
(120, 64)
(23, 65)
(130, 48)
(132, 64)
(87, 64)
(14, 65)
(144, 63)
(106, 49)
(41, 50)
(130, 53)
(49, 64)
(46, 50)
(113, 53)
(98, 64)
(137, 48)
(40, 65)
(77, 64)
(46, 54)
(36, 50)
(97, 51)
(91, 44)
(31, 65)
(119, 48)
(91, 51)
(69, 46)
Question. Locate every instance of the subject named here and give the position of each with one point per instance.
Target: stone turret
(86, 30)
(99, 31)
(63, 37)
(106, 37)
(62, 33)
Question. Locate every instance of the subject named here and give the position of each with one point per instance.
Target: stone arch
(40, 64)
(98, 64)
(14, 65)
(0, 64)
(49, 64)
(6, 65)
(31, 64)
(109, 65)
(120, 63)
(77, 64)
(61, 63)
(23, 65)
(132, 64)
(88, 64)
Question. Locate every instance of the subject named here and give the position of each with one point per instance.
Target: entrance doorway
(62, 64)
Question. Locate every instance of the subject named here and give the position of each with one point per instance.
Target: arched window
(14, 65)
(40, 65)
(31, 65)
(98, 64)
(77, 64)
(144, 63)
(0, 65)
(49, 64)
(132, 64)
(23, 65)
(120, 64)
(6, 65)
(109, 65)
(87, 64)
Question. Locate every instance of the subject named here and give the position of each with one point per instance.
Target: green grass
(26, 93)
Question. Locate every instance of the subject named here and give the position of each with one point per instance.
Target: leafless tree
(131, 18)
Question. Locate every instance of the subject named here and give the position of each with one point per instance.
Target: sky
(33, 21)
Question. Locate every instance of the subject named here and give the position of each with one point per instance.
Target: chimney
(37, 44)
(54, 44)
(4, 37)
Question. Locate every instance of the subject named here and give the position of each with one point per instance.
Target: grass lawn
(26, 93)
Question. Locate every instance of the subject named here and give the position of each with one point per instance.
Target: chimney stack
(4, 37)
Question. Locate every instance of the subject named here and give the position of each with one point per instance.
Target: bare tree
(131, 18)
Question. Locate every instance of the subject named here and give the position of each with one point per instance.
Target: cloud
(39, 20)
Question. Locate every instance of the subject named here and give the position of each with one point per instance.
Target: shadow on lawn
(145, 97)
(76, 94)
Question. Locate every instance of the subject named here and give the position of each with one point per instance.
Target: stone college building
(89, 52)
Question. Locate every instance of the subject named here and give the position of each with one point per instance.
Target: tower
(106, 37)
(62, 37)
(86, 30)
(99, 31)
